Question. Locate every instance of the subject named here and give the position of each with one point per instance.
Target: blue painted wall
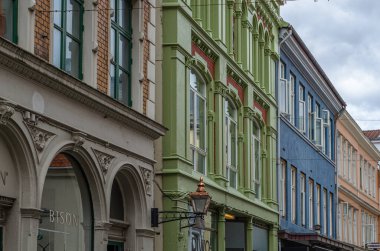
(298, 151)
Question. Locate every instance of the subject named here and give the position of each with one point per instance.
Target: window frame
(282, 178)
(318, 203)
(303, 198)
(194, 93)
(311, 204)
(14, 36)
(293, 198)
(64, 34)
(256, 152)
(228, 121)
(115, 61)
(301, 109)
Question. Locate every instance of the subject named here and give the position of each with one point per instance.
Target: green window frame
(121, 49)
(68, 36)
(9, 19)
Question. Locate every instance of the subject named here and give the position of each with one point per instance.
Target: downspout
(340, 113)
(278, 164)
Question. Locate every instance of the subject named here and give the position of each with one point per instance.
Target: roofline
(315, 62)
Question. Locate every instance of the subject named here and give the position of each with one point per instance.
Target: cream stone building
(76, 125)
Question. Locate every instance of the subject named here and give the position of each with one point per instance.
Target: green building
(219, 60)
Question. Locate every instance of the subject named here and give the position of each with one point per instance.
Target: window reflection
(6, 19)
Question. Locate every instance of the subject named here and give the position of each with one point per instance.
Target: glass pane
(193, 80)
(201, 130)
(232, 178)
(123, 87)
(57, 6)
(117, 206)
(124, 14)
(124, 52)
(66, 221)
(257, 160)
(6, 19)
(201, 163)
(192, 117)
(57, 48)
(73, 18)
(113, 6)
(72, 57)
(233, 143)
(113, 44)
(113, 81)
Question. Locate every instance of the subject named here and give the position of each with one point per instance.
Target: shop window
(235, 236)
(115, 246)
(198, 121)
(260, 239)
(8, 19)
(67, 219)
(67, 36)
(121, 46)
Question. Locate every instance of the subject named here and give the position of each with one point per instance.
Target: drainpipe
(278, 164)
(340, 113)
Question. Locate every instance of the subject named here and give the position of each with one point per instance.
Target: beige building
(358, 208)
(76, 129)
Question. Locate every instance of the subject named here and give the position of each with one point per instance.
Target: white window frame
(324, 207)
(293, 194)
(331, 202)
(301, 109)
(292, 85)
(282, 178)
(311, 204)
(318, 205)
(303, 199)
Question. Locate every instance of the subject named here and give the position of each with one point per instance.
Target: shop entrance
(115, 246)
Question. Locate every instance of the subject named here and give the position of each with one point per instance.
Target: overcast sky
(344, 37)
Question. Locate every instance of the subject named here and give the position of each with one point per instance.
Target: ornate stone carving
(6, 111)
(104, 160)
(147, 175)
(79, 138)
(40, 137)
(221, 89)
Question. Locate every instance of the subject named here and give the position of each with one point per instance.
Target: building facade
(308, 106)
(358, 208)
(218, 73)
(76, 129)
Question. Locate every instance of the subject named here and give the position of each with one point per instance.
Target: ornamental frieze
(40, 137)
(104, 160)
(148, 179)
(6, 111)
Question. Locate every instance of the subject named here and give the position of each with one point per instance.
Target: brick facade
(103, 35)
(146, 56)
(42, 29)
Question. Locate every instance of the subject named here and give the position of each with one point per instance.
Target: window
(301, 109)
(257, 159)
(353, 168)
(325, 211)
(349, 171)
(339, 232)
(318, 126)
(284, 91)
(355, 226)
(326, 133)
(292, 84)
(303, 199)
(311, 203)
(318, 205)
(121, 45)
(231, 142)
(282, 178)
(67, 218)
(350, 225)
(198, 122)
(361, 172)
(8, 20)
(67, 36)
(331, 201)
(339, 154)
(311, 115)
(293, 195)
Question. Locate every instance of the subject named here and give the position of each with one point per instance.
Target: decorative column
(101, 230)
(261, 63)
(221, 230)
(255, 67)
(30, 221)
(249, 234)
(218, 22)
(246, 46)
(230, 27)
(238, 36)
(266, 78)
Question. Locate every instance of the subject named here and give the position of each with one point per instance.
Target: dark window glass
(8, 10)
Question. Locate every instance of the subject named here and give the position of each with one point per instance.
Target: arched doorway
(67, 219)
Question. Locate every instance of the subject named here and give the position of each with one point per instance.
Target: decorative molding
(236, 77)
(7, 109)
(148, 179)
(6, 204)
(221, 88)
(104, 160)
(40, 137)
(204, 47)
(79, 138)
(33, 213)
(30, 118)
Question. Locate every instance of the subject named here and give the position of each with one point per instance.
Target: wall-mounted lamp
(200, 201)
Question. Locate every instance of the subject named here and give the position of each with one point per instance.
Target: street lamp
(200, 201)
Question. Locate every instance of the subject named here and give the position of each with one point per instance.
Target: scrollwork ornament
(104, 160)
(40, 137)
(6, 112)
(147, 176)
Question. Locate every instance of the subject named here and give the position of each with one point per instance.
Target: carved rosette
(6, 112)
(148, 179)
(104, 160)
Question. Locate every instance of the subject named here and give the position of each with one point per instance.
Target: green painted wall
(241, 42)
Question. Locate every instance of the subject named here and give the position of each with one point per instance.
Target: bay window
(121, 46)
(67, 36)
(198, 122)
(230, 113)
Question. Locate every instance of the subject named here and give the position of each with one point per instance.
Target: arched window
(198, 121)
(121, 45)
(67, 219)
(256, 160)
(117, 218)
(230, 113)
(68, 36)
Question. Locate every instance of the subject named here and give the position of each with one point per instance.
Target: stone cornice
(203, 46)
(360, 201)
(33, 68)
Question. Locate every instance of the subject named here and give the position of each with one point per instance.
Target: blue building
(308, 106)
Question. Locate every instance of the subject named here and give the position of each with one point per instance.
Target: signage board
(373, 246)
